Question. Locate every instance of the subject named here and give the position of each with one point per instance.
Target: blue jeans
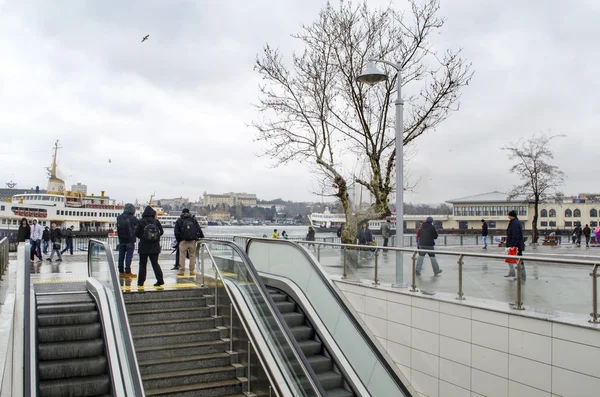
(125, 257)
(434, 263)
(45, 247)
(485, 241)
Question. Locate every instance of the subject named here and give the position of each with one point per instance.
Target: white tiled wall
(453, 350)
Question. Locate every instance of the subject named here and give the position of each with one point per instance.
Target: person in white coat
(35, 238)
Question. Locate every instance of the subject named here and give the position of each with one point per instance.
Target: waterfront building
(79, 188)
(232, 199)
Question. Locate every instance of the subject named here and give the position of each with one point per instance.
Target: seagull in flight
(109, 161)
(145, 38)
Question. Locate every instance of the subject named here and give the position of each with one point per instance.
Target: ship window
(577, 213)
(1, 208)
(4, 221)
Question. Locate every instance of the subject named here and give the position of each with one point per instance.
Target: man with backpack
(149, 230)
(126, 225)
(187, 232)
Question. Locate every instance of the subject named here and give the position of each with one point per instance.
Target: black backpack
(151, 233)
(190, 230)
(125, 228)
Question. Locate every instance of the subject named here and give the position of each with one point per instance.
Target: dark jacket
(46, 235)
(340, 231)
(587, 231)
(179, 226)
(310, 236)
(68, 234)
(148, 247)
(427, 235)
(365, 236)
(577, 231)
(514, 235)
(55, 235)
(484, 229)
(386, 229)
(24, 232)
(127, 215)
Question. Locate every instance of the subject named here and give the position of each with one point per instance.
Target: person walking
(24, 231)
(35, 239)
(46, 239)
(187, 233)
(149, 230)
(577, 232)
(427, 237)
(386, 230)
(558, 236)
(55, 238)
(310, 236)
(275, 234)
(587, 232)
(365, 236)
(126, 226)
(597, 233)
(68, 241)
(284, 235)
(484, 233)
(515, 238)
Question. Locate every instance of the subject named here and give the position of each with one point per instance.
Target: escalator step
(212, 389)
(320, 363)
(330, 380)
(55, 319)
(339, 393)
(310, 347)
(69, 333)
(60, 299)
(285, 306)
(302, 332)
(76, 367)
(83, 387)
(293, 319)
(70, 349)
(278, 298)
(64, 308)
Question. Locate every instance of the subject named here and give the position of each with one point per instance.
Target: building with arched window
(544, 213)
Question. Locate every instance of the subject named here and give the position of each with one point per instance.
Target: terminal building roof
(491, 197)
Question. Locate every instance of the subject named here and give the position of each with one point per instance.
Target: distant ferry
(168, 221)
(327, 222)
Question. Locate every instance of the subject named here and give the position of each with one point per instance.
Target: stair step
(210, 389)
(70, 349)
(180, 349)
(75, 367)
(293, 319)
(211, 374)
(320, 363)
(136, 296)
(64, 308)
(175, 337)
(285, 306)
(155, 315)
(170, 364)
(278, 297)
(330, 380)
(175, 325)
(302, 332)
(310, 347)
(55, 319)
(88, 386)
(57, 299)
(339, 392)
(69, 333)
(168, 303)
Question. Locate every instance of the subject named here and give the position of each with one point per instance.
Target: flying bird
(145, 38)
(109, 161)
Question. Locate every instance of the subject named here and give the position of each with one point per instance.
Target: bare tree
(540, 179)
(314, 111)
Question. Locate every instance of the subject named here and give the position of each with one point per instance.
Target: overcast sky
(172, 113)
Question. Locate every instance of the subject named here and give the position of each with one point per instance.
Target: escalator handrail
(272, 307)
(384, 362)
(122, 316)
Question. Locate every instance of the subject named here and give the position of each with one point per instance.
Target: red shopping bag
(512, 251)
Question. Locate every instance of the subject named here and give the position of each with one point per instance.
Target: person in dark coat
(587, 232)
(515, 238)
(46, 239)
(68, 240)
(310, 236)
(365, 236)
(24, 231)
(126, 228)
(484, 233)
(427, 237)
(56, 239)
(149, 248)
(577, 232)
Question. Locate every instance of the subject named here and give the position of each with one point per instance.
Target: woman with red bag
(515, 240)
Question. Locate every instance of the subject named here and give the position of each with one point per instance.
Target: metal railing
(3, 256)
(518, 304)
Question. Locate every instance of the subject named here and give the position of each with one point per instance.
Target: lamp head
(371, 75)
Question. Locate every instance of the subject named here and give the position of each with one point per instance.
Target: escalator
(71, 357)
(316, 353)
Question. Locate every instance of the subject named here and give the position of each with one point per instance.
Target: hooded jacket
(514, 235)
(36, 231)
(148, 247)
(179, 226)
(127, 218)
(427, 235)
(46, 234)
(24, 231)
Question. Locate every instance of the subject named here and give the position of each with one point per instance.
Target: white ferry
(89, 215)
(326, 221)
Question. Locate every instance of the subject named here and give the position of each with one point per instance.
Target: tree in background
(539, 178)
(314, 110)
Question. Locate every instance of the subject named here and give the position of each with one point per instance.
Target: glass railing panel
(234, 268)
(290, 261)
(98, 261)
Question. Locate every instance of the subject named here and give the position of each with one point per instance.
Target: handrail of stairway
(129, 362)
(328, 284)
(3, 256)
(287, 333)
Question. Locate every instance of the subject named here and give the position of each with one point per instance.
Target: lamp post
(372, 75)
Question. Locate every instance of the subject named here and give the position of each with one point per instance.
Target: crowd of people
(44, 240)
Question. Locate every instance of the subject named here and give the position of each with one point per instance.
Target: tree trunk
(534, 228)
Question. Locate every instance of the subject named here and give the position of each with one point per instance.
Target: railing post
(345, 276)
(411, 241)
(375, 279)
(519, 303)
(445, 240)
(230, 328)
(476, 239)
(460, 296)
(414, 270)
(461, 239)
(319, 253)
(249, 373)
(594, 313)
(216, 292)
(202, 263)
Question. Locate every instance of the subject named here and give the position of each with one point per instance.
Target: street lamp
(372, 75)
